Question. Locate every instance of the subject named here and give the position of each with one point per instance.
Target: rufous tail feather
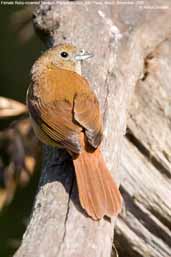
(98, 193)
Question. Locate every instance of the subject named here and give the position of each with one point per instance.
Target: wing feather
(87, 113)
(56, 120)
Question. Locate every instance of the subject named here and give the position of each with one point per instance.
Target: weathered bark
(145, 226)
(58, 226)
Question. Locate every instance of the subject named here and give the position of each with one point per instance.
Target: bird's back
(56, 84)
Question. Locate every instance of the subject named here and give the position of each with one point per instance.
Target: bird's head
(65, 56)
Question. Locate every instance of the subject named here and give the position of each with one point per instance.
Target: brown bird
(65, 113)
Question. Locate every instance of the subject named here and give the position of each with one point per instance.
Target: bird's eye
(64, 54)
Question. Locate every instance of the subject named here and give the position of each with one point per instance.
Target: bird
(65, 113)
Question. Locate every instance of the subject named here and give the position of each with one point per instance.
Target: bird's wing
(56, 121)
(87, 114)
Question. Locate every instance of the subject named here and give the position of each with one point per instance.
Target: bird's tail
(98, 193)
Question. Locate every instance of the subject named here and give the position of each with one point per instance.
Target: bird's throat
(78, 68)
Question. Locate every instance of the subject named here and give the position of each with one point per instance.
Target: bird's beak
(83, 56)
